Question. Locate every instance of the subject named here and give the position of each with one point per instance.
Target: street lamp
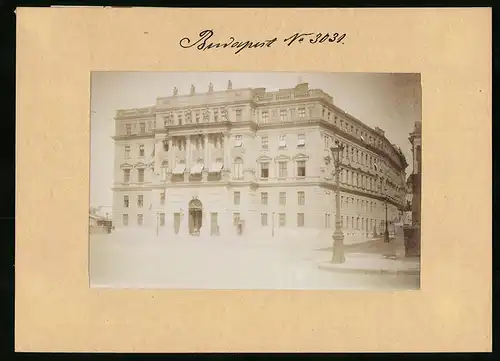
(338, 235)
(386, 232)
(383, 188)
(157, 221)
(272, 220)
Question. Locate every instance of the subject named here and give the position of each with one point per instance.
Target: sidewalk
(374, 264)
(376, 257)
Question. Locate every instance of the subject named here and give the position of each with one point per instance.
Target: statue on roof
(192, 89)
(176, 91)
(229, 85)
(210, 87)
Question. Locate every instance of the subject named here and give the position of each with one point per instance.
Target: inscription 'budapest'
(202, 43)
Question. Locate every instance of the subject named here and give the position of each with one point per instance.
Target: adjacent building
(249, 161)
(416, 176)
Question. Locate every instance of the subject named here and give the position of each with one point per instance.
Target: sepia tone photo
(255, 180)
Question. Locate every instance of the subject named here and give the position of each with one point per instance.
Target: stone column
(188, 158)
(227, 156)
(157, 164)
(206, 158)
(171, 159)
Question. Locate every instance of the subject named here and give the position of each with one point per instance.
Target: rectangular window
(282, 198)
(238, 140)
(127, 151)
(126, 175)
(140, 201)
(301, 168)
(265, 117)
(216, 115)
(141, 175)
(264, 142)
(283, 173)
(282, 219)
(301, 140)
(128, 129)
(264, 170)
(263, 219)
(238, 114)
(263, 198)
(282, 141)
(162, 198)
(141, 150)
(300, 219)
(236, 198)
(125, 202)
(162, 219)
(140, 219)
(125, 219)
(197, 117)
(238, 169)
(327, 220)
(302, 112)
(301, 198)
(283, 115)
(143, 127)
(236, 218)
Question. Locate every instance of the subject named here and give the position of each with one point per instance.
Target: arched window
(238, 168)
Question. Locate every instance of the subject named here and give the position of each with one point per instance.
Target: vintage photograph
(245, 180)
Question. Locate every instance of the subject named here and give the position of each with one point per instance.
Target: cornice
(133, 136)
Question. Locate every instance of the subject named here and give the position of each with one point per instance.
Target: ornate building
(247, 161)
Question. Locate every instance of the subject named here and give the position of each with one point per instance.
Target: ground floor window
(300, 219)
(162, 219)
(282, 219)
(236, 218)
(125, 219)
(263, 219)
(140, 219)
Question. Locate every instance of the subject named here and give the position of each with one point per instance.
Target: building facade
(247, 161)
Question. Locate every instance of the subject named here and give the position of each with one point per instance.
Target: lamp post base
(386, 236)
(338, 248)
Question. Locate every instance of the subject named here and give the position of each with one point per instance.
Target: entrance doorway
(195, 217)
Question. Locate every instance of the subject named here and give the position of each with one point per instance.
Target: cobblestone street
(197, 263)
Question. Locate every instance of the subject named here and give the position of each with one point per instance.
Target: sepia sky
(389, 101)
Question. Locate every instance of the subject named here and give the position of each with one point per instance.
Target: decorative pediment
(140, 165)
(164, 164)
(264, 159)
(126, 166)
(282, 158)
(301, 156)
